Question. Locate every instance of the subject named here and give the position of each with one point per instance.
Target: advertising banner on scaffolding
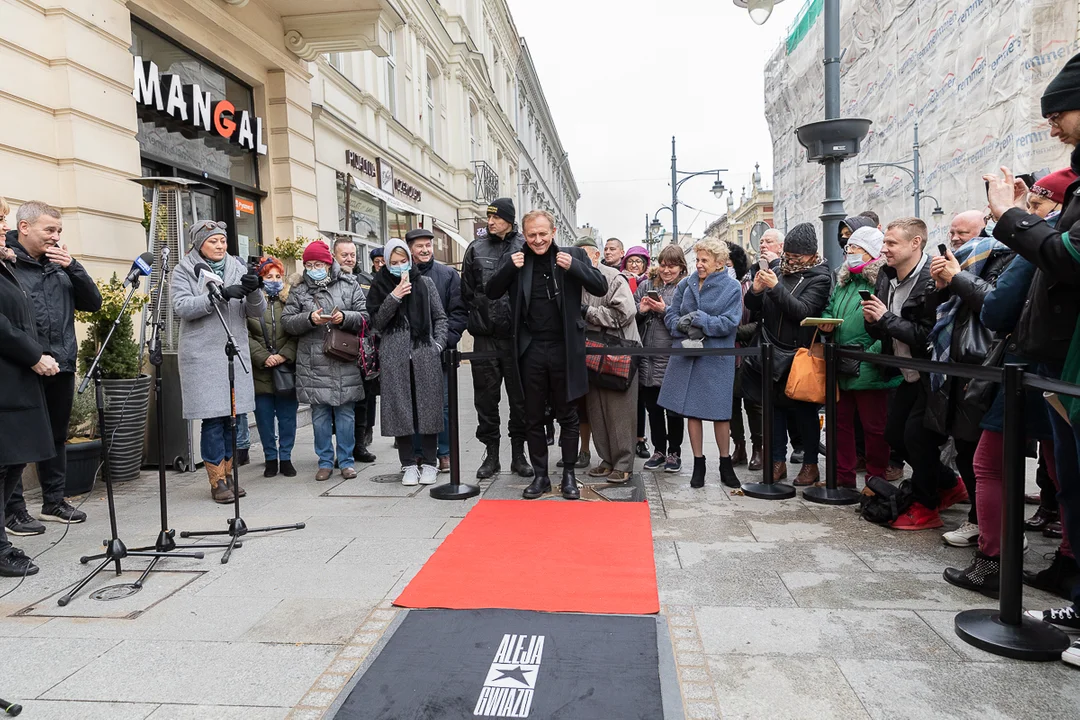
(969, 72)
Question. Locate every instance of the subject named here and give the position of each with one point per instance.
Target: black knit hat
(1063, 92)
(802, 240)
(504, 208)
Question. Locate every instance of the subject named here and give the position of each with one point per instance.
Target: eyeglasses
(315, 265)
(210, 225)
(1054, 119)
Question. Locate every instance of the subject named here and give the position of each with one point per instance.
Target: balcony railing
(485, 182)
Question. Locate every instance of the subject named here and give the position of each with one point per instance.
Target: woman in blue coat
(704, 312)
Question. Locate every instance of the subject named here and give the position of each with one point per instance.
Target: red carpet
(586, 557)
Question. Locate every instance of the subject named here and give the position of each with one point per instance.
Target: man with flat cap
(448, 283)
(492, 330)
(544, 283)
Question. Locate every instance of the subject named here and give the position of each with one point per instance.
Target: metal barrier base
(449, 491)
(768, 491)
(835, 496)
(1030, 640)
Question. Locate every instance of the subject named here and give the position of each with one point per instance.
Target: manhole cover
(114, 592)
(392, 478)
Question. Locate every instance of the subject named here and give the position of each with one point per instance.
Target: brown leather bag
(341, 345)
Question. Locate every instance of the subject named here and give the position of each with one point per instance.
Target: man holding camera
(58, 285)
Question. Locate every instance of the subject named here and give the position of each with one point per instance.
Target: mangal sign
(190, 105)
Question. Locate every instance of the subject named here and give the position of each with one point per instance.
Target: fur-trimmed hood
(870, 272)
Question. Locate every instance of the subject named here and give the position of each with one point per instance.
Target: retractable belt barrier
(766, 489)
(1005, 631)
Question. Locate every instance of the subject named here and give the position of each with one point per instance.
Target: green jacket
(285, 344)
(845, 304)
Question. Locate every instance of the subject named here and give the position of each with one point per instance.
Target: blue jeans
(268, 407)
(215, 442)
(1067, 457)
(328, 419)
(243, 432)
(804, 416)
(444, 436)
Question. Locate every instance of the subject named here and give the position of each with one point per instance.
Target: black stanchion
(454, 490)
(1007, 631)
(767, 489)
(830, 494)
(11, 709)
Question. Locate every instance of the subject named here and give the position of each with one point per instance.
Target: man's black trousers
(921, 447)
(489, 376)
(543, 370)
(52, 474)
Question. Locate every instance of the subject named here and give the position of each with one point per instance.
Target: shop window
(247, 225)
(202, 153)
(398, 223)
(358, 212)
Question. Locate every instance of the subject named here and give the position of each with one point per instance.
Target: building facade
(735, 225)
(287, 119)
(545, 180)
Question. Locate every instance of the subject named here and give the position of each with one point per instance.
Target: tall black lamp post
(718, 189)
(914, 172)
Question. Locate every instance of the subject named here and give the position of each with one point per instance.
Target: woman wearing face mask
(204, 374)
(666, 425)
(868, 389)
(327, 297)
(635, 268)
(408, 314)
(782, 302)
(705, 309)
(272, 347)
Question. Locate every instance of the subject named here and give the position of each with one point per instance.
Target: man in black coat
(58, 285)
(448, 283)
(900, 315)
(545, 285)
(27, 435)
(492, 330)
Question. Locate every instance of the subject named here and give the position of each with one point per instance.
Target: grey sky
(622, 78)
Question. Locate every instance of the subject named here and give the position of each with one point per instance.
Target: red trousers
(873, 406)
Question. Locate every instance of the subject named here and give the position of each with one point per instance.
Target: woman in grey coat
(327, 297)
(204, 373)
(667, 432)
(408, 314)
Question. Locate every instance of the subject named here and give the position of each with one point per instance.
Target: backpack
(882, 502)
(368, 360)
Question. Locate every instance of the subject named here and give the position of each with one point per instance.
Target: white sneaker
(429, 474)
(1071, 655)
(967, 535)
(410, 475)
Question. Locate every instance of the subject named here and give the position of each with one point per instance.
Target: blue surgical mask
(399, 270)
(273, 287)
(317, 275)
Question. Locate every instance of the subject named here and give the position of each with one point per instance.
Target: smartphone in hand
(866, 295)
(942, 250)
(763, 263)
(653, 295)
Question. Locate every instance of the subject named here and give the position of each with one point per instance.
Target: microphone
(208, 280)
(143, 265)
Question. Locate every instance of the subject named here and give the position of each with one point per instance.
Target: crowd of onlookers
(333, 337)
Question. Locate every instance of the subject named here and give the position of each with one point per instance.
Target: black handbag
(611, 372)
(282, 376)
(974, 344)
(978, 395)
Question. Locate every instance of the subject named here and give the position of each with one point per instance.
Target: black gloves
(250, 282)
(683, 325)
(234, 292)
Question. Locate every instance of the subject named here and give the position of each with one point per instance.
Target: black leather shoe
(287, 468)
(1052, 531)
(1058, 579)
(569, 487)
(1040, 519)
(271, 468)
(538, 487)
(243, 457)
(697, 480)
(642, 450)
(490, 465)
(727, 473)
(362, 454)
(755, 461)
(982, 575)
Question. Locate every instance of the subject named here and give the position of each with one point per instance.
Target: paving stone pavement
(774, 609)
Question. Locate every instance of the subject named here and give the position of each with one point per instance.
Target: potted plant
(288, 251)
(126, 389)
(83, 446)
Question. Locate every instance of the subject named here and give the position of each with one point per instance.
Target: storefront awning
(387, 198)
(449, 230)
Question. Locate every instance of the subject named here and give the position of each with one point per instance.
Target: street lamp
(937, 212)
(760, 10)
(718, 189)
(913, 172)
(654, 229)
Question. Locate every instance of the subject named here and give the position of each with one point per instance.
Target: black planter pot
(126, 406)
(83, 460)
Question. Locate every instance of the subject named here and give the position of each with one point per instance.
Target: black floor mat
(465, 664)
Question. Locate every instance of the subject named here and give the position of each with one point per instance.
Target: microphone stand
(237, 527)
(115, 550)
(165, 542)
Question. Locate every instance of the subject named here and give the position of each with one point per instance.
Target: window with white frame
(474, 132)
(337, 61)
(391, 74)
(432, 131)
